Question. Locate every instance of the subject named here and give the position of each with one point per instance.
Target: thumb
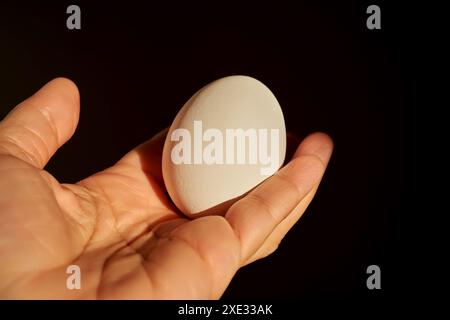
(38, 126)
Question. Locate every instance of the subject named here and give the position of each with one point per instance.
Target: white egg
(228, 138)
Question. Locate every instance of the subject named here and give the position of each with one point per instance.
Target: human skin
(118, 225)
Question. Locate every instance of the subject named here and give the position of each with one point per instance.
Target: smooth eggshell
(228, 103)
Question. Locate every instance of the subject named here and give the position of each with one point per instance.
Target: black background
(136, 63)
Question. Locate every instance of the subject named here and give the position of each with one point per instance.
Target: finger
(256, 216)
(38, 126)
(194, 260)
(272, 242)
(274, 239)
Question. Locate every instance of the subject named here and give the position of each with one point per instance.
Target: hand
(118, 225)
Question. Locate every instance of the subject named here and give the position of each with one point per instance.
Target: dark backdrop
(136, 63)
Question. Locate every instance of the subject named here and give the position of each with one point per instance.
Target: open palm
(118, 225)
